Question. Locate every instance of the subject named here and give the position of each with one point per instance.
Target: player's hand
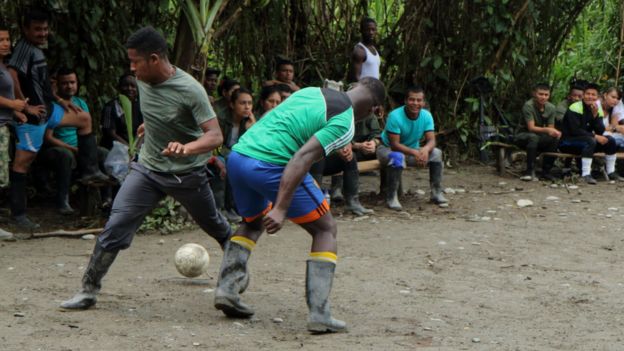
(221, 166)
(20, 117)
(141, 130)
(274, 220)
(37, 111)
(601, 139)
(175, 149)
(346, 153)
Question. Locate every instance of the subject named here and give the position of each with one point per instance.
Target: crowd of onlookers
(47, 135)
(589, 120)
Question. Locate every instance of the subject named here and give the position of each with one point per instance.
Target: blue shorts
(255, 185)
(30, 136)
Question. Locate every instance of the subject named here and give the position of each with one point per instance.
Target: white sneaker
(4, 235)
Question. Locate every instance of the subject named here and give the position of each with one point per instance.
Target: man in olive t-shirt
(180, 131)
(536, 131)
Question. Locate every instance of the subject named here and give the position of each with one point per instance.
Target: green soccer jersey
(324, 113)
(173, 111)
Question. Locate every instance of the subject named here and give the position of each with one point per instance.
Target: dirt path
(480, 275)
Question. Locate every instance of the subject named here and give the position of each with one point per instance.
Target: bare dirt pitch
(483, 274)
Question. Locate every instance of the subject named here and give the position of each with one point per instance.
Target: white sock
(610, 160)
(586, 166)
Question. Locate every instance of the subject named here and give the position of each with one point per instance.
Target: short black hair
(414, 89)
(147, 41)
(578, 84)
(227, 84)
(268, 90)
(592, 85)
(35, 15)
(284, 88)
(365, 21)
(65, 71)
(123, 77)
(376, 88)
(283, 61)
(210, 71)
(541, 86)
(240, 91)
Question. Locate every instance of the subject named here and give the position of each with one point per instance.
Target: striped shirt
(30, 64)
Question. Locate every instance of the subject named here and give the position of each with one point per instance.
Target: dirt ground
(483, 274)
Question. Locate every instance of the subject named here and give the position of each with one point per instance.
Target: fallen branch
(67, 233)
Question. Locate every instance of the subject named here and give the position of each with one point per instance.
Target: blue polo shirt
(410, 131)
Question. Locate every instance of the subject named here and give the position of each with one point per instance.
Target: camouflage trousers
(4, 156)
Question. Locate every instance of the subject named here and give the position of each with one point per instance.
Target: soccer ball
(191, 260)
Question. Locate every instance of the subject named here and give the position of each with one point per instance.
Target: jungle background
(442, 45)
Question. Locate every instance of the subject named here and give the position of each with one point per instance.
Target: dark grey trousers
(143, 189)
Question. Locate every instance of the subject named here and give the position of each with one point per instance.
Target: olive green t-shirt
(173, 111)
(531, 113)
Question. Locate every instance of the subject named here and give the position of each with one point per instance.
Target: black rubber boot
(351, 186)
(64, 207)
(319, 278)
(233, 279)
(336, 189)
(393, 180)
(18, 203)
(88, 160)
(435, 182)
(92, 280)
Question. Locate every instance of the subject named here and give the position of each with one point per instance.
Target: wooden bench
(500, 149)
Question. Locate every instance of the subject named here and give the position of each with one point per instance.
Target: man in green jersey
(268, 169)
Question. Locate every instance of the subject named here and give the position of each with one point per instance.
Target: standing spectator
(114, 126)
(29, 70)
(365, 59)
(211, 80)
(10, 108)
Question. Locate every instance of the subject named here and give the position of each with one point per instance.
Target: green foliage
(167, 218)
(591, 51)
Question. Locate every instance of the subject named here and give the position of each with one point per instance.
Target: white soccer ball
(191, 260)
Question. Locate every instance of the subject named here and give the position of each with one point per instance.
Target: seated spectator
(269, 98)
(211, 79)
(613, 119)
(401, 147)
(242, 118)
(114, 127)
(582, 133)
(536, 132)
(59, 154)
(284, 90)
(574, 94)
(222, 106)
(284, 74)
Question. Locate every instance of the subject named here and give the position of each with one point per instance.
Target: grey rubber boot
(64, 207)
(233, 279)
(319, 278)
(92, 280)
(351, 186)
(393, 179)
(88, 160)
(336, 189)
(435, 181)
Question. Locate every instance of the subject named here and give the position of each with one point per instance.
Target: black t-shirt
(113, 118)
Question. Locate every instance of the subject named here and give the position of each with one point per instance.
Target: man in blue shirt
(400, 147)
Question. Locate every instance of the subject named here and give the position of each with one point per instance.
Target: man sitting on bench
(400, 146)
(537, 133)
(583, 130)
